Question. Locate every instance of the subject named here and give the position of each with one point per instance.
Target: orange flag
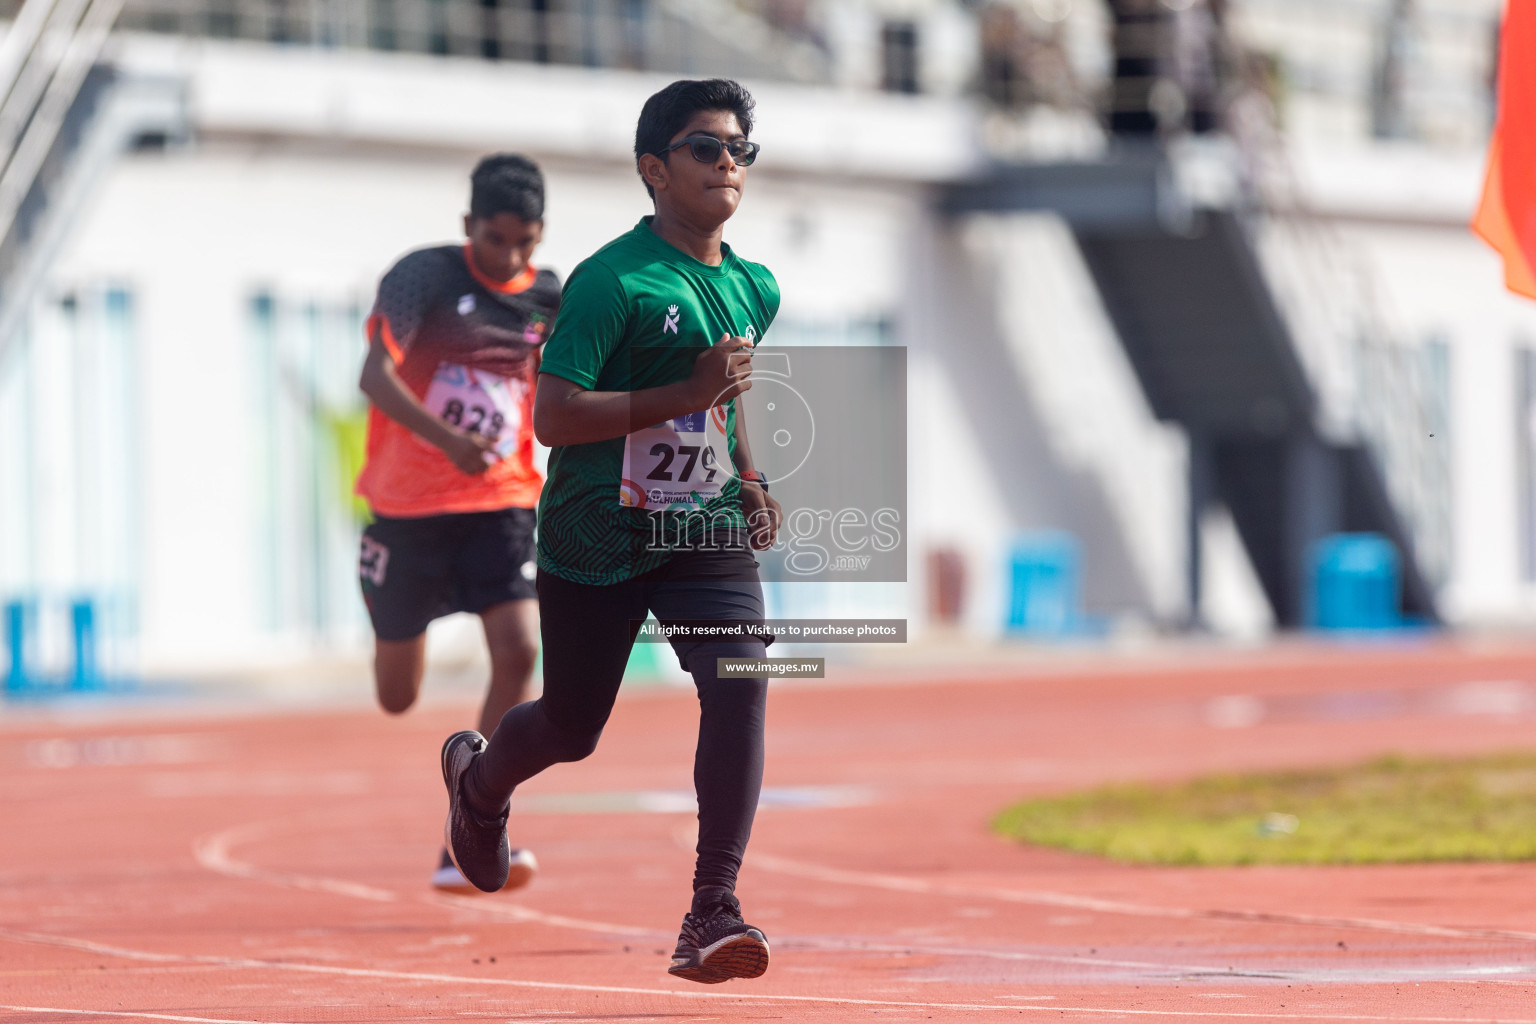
(1506, 217)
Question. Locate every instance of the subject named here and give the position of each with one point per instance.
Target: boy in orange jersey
(454, 342)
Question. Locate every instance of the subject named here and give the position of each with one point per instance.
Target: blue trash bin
(1356, 583)
(1045, 584)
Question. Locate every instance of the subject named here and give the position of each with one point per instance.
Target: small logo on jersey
(535, 329)
(751, 334)
(669, 322)
(466, 304)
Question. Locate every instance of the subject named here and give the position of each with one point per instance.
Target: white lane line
(134, 1015)
(521, 913)
(213, 853)
(227, 863)
(87, 946)
(70, 972)
(918, 886)
(739, 997)
(1151, 969)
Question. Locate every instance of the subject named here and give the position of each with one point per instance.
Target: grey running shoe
(478, 845)
(716, 944)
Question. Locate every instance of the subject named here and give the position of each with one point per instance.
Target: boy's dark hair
(506, 183)
(665, 113)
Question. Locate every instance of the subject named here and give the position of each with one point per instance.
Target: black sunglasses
(706, 149)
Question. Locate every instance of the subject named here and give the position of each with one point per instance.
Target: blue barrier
(1356, 583)
(85, 644)
(27, 675)
(18, 622)
(1045, 584)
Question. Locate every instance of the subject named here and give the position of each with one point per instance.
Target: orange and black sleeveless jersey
(467, 346)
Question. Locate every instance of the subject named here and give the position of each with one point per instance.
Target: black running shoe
(447, 878)
(716, 944)
(478, 845)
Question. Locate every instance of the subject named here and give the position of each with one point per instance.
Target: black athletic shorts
(416, 570)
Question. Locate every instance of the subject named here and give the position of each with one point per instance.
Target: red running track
(272, 866)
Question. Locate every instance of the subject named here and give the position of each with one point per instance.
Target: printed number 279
(689, 452)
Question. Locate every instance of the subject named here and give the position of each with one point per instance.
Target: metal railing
(1421, 70)
(46, 60)
(46, 82)
(703, 37)
(1375, 383)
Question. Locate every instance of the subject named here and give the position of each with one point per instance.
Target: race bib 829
(478, 403)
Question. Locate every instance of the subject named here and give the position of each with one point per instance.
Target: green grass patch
(1393, 810)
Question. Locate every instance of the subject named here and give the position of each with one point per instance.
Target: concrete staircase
(1215, 353)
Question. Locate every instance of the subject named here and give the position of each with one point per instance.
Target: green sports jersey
(635, 315)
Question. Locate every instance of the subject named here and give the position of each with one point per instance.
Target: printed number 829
(476, 419)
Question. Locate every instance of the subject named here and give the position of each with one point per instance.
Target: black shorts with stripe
(415, 570)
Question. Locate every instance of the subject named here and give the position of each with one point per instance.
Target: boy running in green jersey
(652, 505)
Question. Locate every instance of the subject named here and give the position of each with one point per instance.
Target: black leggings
(587, 633)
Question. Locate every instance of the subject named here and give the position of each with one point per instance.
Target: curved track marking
(918, 886)
(739, 997)
(226, 863)
(820, 945)
(212, 852)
